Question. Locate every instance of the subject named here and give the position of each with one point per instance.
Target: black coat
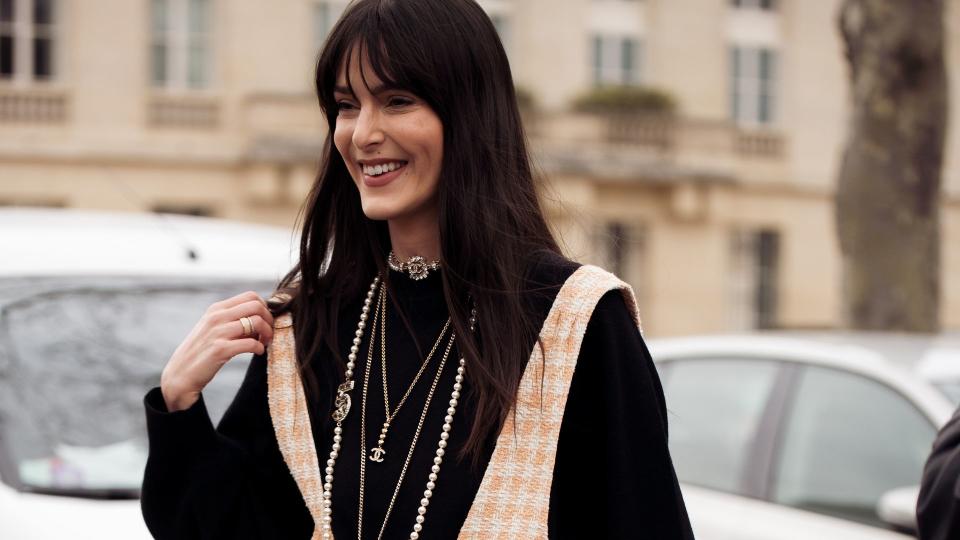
(613, 477)
(938, 507)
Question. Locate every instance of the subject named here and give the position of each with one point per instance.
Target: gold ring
(247, 326)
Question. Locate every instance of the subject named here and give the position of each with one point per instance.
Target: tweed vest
(513, 500)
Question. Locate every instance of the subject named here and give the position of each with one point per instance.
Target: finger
(237, 300)
(232, 301)
(259, 308)
(239, 328)
(246, 309)
(228, 349)
(262, 329)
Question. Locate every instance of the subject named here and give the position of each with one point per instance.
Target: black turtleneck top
(613, 477)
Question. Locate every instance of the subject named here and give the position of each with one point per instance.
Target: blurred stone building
(720, 215)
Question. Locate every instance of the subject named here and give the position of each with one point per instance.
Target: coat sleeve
(938, 506)
(613, 476)
(231, 481)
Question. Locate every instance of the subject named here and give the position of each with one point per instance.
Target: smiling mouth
(378, 170)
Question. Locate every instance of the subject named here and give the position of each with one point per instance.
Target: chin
(388, 207)
(379, 212)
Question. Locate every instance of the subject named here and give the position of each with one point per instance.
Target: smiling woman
(519, 399)
(392, 143)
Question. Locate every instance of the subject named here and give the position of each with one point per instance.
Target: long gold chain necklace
(377, 452)
(416, 435)
(342, 409)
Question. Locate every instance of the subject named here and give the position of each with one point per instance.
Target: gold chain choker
(417, 267)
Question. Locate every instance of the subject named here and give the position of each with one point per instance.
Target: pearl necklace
(342, 408)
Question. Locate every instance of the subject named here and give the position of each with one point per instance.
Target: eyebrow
(376, 90)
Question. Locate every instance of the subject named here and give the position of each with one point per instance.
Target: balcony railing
(663, 135)
(37, 106)
(657, 145)
(656, 131)
(183, 112)
(760, 143)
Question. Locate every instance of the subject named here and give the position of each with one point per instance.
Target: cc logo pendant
(418, 268)
(376, 454)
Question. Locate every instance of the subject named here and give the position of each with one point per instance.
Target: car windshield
(76, 357)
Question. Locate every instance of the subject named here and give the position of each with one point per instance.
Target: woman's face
(391, 142)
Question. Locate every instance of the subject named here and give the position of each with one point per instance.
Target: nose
(368, 131)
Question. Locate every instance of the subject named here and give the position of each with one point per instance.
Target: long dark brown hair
(446, 52)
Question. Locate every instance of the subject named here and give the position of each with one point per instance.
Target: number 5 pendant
(342, 403)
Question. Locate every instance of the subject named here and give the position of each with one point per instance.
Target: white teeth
(380, 169)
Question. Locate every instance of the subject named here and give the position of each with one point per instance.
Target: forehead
(355, 69)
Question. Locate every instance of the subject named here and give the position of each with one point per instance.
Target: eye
(399, 101)
(344, 106)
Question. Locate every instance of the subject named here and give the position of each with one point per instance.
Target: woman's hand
(216, 338)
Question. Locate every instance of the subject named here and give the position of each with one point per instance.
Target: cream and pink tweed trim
(514, 497)
(291, 421)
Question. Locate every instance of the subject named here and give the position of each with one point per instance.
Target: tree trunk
(888, 193)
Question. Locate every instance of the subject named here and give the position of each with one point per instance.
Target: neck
(415, 237)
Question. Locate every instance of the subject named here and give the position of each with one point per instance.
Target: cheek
(431, 136)
(342, 134)
(437, 145)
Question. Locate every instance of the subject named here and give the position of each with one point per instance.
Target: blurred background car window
(76, 357)
(847, 441)
(714, 410)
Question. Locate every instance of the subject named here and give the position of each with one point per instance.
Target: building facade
(720, 216)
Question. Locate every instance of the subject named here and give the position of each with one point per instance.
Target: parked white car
(795, 436)
(91, 307)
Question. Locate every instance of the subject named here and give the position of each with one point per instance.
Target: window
(617, 247)
(82, 349)
(766, 5)
(326, 13)
(616, 60)
(7, 38)
(28, 39)
(181, 43)
(621, 248)
(753, 84)
(848, 441)
(754, 274)
(502, 24)
(715, 407)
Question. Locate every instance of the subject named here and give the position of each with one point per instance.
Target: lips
(378, 168)
(384, 178)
